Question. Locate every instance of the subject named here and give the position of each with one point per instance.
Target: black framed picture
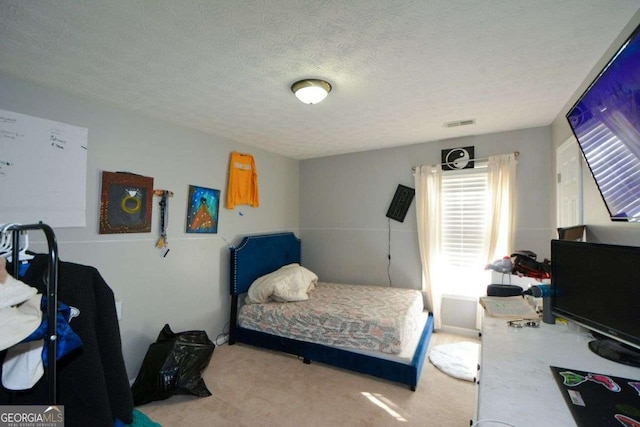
(458, 158)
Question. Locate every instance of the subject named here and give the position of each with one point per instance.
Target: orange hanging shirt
(243, 181)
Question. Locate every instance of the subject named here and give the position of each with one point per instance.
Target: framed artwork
(125, 204)
(457, 158)
(202, 210)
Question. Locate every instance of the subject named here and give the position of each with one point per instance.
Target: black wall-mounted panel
(400, 203)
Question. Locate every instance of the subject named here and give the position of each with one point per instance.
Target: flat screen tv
(606, 123)
(598, 286)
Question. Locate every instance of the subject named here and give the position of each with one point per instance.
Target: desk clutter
(537, 296)
(514, 307)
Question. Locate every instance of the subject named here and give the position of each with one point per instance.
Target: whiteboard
(43, 171)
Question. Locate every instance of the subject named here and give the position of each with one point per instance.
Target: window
(465, 219)
(464, 230)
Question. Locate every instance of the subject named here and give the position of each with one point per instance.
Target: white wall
(599, 226)
(344, 200)
(189, 288)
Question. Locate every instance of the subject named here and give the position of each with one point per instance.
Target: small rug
(458, 360)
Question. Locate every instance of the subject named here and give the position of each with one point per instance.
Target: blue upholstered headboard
(258, 255)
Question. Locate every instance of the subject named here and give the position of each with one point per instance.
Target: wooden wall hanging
(125, 205)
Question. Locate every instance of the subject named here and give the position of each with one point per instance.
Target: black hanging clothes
(92, 383)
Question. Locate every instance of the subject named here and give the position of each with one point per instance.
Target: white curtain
(501, 176)
(501, 207)
(428, 183)
(501, 173)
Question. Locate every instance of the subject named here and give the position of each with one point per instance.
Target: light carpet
(459, 360)
(255, 387)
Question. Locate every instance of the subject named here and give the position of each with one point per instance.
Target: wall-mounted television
(597, 286)
(606, 123)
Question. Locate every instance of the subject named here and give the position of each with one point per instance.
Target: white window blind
(616, 168)
(464, 218)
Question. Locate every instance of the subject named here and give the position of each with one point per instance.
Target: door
(569, 184)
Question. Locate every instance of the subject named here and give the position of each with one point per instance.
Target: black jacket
(92, 383)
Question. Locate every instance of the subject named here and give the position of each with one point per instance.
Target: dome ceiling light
(311, 91)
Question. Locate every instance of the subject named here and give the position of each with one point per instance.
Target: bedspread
(363, 317)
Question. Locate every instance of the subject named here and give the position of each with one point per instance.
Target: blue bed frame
(258, 255)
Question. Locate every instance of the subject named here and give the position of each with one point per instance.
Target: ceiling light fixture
(311, 91)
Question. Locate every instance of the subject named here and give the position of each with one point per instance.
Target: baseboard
(473, 333)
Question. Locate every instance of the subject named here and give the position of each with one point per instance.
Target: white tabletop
(517, 385)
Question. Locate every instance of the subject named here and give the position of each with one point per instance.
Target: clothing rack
(52, 295)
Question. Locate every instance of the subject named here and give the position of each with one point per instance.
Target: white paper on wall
(43, 171)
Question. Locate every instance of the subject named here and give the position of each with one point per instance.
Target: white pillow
(288, 283)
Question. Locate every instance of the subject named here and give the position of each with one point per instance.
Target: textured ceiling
(400, 69)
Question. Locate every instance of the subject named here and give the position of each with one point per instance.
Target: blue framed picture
(202, 210)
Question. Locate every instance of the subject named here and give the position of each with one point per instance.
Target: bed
(259, 255)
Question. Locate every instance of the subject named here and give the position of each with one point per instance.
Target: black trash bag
(173, 365)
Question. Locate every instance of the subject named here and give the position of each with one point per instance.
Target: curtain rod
(515, 153)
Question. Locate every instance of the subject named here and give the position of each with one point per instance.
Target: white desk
(516, 385)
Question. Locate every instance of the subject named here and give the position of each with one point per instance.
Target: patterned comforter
(363, 317)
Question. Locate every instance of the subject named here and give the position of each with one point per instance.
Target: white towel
(14, 292)
(23, 367)
(19, 321)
